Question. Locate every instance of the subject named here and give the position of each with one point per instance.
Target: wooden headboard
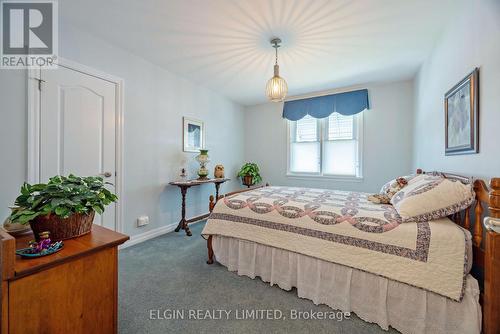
(464, 218)
(485, 244)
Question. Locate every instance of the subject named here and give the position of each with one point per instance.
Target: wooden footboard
(210, 250)
(211, 206)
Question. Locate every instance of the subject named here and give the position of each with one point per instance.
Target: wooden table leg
(183, 223)
(217, 186)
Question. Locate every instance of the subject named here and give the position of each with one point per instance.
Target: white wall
(386, 148)
(155, 101)
(13, 136)
(471, 40)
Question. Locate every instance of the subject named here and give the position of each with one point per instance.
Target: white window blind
(340, 127)
(328, 146)
(306, 129)
(305, 146)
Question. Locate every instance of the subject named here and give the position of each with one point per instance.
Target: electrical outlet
(142, 221)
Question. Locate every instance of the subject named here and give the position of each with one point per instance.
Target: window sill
(324, 177)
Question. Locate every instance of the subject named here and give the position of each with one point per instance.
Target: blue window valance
(348, 103)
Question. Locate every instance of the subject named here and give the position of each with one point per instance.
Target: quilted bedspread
(345, 228)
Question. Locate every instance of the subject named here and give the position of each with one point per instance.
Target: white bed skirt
(371, 297)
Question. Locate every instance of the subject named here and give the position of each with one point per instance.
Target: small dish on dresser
(16, 231)
(28, 252)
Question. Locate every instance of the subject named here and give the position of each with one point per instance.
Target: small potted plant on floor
(249, 174)
(65, 206)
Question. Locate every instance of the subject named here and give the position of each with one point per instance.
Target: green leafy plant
(250, 169)
(62, 196)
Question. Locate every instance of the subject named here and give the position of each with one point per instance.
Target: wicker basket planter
(63, 228)
(248, 180)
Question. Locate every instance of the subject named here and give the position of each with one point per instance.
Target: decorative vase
(74, 226)
(203, 160)
(15, 229)
(248, 180)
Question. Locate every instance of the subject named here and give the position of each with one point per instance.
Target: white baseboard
(138, 238)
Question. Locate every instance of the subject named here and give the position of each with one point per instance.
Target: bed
(339, 249)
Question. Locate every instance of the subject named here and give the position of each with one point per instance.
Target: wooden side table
(184, 186)
(72, 291)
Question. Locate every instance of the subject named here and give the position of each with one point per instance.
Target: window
(326, 147)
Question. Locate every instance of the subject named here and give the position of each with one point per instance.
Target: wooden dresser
(72, 291)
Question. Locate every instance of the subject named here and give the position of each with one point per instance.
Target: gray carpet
(169, 273)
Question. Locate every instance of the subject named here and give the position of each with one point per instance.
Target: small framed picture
(193, 135)
(461, 107)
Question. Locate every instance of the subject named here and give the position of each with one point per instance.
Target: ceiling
(224, 44)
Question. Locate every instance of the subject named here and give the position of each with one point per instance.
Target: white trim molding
(138, 238)
(33, 95)
(341, 178)
(145, 236)
(33, 103)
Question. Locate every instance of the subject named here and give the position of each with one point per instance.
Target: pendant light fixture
(276, 88)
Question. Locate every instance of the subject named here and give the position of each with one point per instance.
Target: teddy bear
(386, 195)
(219, 172)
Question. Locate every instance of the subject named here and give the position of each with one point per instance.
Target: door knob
(106, 174)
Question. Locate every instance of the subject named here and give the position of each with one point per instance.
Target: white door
(77, 128)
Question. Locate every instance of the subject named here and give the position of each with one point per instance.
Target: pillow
(428, 197)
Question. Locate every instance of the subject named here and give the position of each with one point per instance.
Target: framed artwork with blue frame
(461, 106)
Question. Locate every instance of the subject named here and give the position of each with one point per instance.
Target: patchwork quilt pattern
(345, 228)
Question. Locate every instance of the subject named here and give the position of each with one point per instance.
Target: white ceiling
(224, 44)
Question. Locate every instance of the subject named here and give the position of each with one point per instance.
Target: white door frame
(33, 103)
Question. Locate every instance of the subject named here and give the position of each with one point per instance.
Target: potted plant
(249, 174)
(65, 206)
